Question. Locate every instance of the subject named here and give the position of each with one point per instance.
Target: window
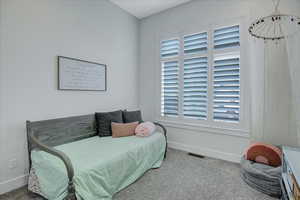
(226, 88)
(200, 76)
(170, 77)
(227, 37)
(195, 43)
(169, 48)
(226, 75)
(170, 90)
(195, 88)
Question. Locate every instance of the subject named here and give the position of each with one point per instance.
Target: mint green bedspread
(102, 165)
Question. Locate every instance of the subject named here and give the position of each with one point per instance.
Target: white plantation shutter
(170, 88)
(227, 37)
(195, 87)
(169, 48)
(195, 43)
(200, 76)
(226, 83)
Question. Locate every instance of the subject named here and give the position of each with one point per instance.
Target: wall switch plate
(12, 163)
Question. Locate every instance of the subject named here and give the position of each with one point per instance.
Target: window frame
(210, 123)
(169, 59)
(228, 54)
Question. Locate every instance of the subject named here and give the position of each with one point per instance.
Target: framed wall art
(76, 74)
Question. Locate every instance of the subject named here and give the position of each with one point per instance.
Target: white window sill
(206, 128)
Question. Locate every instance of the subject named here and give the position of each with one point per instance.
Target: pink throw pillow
(145, 129)
(264, 153)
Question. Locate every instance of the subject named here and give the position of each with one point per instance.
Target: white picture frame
(81, 75)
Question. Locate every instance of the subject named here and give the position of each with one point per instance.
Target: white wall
(192, 17)
(33, 33)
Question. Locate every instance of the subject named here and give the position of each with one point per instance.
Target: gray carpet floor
(181, 177)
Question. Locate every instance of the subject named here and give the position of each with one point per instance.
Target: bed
(69, 161)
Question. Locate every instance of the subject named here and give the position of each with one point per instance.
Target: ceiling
(145, 8)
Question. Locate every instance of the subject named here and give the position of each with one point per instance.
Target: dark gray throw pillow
(104, 121)
(132, 116)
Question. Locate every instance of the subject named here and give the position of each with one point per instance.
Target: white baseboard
(13, 184)
(206, 152)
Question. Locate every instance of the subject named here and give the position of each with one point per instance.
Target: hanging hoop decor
(275, 26)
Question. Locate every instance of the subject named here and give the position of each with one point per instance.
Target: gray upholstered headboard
(55, 132)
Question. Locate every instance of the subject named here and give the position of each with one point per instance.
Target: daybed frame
(45, 134)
